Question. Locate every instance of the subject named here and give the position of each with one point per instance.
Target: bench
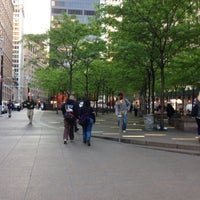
(186, 124)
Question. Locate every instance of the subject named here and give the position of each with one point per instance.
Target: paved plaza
(36, 165)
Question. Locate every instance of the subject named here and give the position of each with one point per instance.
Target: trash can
(149, 122)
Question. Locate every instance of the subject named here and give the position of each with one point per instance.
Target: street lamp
(86, 82)
(1, 78)
(28, 84)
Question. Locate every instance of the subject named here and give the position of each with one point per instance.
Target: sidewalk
(106, 128)
(36, 165)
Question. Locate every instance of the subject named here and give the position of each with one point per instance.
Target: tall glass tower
(82, 8)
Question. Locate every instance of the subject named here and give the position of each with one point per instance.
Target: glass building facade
(82, 8)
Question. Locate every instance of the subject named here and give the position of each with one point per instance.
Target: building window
(58, 11)
(75, 12)
(89, 12)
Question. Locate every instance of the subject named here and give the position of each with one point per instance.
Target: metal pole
(1, 80)
(120, 117)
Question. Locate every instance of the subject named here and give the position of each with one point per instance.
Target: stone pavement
(106, 127)
(36, 165)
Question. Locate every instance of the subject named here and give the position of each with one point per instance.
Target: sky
(37, 16)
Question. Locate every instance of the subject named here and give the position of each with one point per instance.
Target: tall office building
(6, 37)
(18, 25)
(82, 8)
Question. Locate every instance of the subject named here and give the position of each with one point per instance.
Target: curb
(154, 144)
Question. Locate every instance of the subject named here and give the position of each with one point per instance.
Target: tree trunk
(70, 79)
(162, 96)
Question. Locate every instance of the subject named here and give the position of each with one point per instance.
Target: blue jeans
(124, 121)
(87, 131)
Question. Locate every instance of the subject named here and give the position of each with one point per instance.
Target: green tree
(162, 35)
(65, 35)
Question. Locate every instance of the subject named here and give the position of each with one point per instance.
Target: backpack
(84, 120)
(69, 116)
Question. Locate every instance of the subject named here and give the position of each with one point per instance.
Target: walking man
(10, 108)
(121, 108)
(30, 105)
(70, 111)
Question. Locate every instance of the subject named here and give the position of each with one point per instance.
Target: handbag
(84, 120)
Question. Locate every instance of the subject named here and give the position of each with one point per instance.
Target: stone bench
(186, 124)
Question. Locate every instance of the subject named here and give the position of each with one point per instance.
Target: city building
(83, 9)
(18, 26)
(6, 38)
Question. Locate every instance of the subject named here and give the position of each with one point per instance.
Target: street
(36, 165)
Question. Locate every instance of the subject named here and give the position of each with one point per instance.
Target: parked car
(4, 107)
(17, 106)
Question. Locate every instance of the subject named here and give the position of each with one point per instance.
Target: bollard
(120, 118)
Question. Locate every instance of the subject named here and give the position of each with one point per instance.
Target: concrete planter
(186, 124)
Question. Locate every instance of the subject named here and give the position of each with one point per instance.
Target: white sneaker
(124, 131)
(65, 141)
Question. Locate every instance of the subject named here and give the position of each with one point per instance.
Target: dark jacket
(29, 104)
(196, 108)
(87, 109)
(170, 110)
(10, 105)
(70, 105)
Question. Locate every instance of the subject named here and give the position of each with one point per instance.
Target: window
(89, 12)
(75, 12)
(58, 11)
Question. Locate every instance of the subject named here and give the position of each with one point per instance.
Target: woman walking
(87, 113)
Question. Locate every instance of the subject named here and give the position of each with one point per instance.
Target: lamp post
(86, 82)
(28, 84)
(1, 79)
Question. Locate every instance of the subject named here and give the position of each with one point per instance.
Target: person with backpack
(70, 111)
(122, 107)
(87, 118)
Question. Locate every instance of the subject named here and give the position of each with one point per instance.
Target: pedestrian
(70, 111)
(170, 110)
(30, 105)
(86, 111)
(10, 106)
(131, 108)
(121, 109)
(196, 113)
(136, 106)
